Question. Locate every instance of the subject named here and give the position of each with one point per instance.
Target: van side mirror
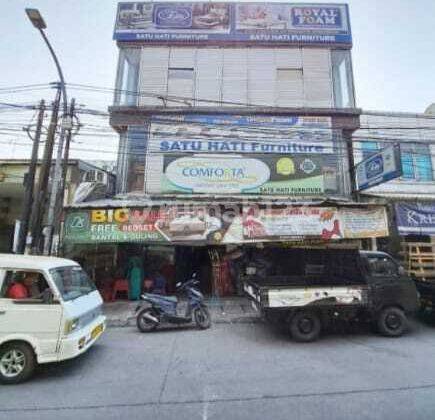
(402, 271)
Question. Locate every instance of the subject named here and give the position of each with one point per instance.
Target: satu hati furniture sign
(287, 23)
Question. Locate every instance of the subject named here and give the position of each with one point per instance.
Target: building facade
(235, 124)
(12, 186)
(411, 197)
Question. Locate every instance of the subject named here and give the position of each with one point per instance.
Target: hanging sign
(379, 168)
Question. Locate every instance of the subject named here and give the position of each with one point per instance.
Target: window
(90, 176)
(416, 162)
(19, 285)
(289, 87)
(127, 78)
(72, 282)
(380, 266)
(181, 82)
(368, 148)
(416, 159)
(342, 79)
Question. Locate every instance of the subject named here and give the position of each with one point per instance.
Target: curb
(131, 321)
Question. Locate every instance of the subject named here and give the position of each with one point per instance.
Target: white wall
(240, 75)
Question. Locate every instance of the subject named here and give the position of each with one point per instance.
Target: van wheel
(392, 322)
(305, 326)
(17, 363)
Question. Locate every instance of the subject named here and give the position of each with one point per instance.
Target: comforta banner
(287, 23)
(241, 134)
(219, 224)
(256, 174)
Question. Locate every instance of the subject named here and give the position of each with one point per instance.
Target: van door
(29, 315)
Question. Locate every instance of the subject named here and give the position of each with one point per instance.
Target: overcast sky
(393, 55)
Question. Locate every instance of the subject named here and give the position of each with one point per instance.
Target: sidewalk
(222, 310)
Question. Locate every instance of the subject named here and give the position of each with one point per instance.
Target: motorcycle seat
(171, 299)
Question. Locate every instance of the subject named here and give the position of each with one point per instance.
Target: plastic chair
(120, 285)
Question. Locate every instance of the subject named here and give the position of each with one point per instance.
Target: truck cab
(49, 311)
(308, 288)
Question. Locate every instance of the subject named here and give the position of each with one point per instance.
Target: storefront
(155, 245)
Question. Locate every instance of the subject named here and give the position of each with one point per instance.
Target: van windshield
(72, 282)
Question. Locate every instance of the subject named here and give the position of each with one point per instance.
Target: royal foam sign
(287, 23)
(379, 168)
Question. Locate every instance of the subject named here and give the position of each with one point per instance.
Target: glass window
(72, 282)
(23, 285)
(289, 86)
(128, 76)
(181, 82)
(382, 266)
(342, 79)
(416, 162)
(368, 148)
(136, 148)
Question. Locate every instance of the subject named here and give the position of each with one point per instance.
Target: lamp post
(39, 23)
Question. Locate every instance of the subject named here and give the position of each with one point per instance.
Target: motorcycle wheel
(143, 323)
(202, 317)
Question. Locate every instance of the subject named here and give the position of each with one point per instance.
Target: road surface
(238, 371)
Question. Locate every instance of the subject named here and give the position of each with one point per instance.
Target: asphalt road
(239, 371)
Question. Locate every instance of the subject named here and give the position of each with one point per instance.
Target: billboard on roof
(274, 23)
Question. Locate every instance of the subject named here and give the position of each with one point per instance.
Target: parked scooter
(164, 308)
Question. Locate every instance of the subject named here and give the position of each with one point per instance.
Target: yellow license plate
(97, 331)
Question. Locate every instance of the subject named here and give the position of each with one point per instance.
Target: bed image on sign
(187, 224)
(315, 295)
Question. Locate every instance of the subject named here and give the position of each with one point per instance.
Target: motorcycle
(164, 308)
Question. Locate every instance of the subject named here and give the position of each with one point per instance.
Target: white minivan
(49, 311)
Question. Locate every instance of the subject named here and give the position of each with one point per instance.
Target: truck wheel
(392, 322)
(305, 326)
(17, 363)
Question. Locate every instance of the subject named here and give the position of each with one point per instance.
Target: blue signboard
(415, 218)
(287, 23)
(379, 168)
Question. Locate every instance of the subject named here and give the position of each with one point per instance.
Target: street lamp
(38, 22)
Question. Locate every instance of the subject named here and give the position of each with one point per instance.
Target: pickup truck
(332, 284)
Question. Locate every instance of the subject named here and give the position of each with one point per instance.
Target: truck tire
(17, 363)
(392, 322)
(305, 326)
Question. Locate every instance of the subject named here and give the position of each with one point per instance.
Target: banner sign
(285, 23)
(415, 218)
(364, 223)
(241, 134)
(379, 168)
(195, 224)
(280, 224)
(258, 174)
(199, 224)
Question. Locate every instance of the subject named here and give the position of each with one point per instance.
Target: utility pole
(61, 195)
(30, 182)
(41, 196)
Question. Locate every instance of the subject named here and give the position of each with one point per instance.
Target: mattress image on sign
(216, 174)
(316, 295)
